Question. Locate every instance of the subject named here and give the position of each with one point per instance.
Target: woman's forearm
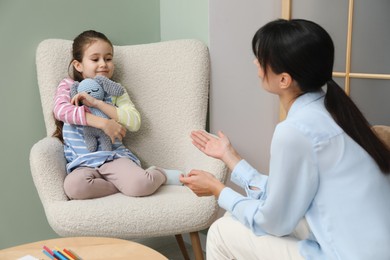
(231, 158)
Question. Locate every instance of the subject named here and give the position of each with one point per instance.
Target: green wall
(182, 19)
(25, 23)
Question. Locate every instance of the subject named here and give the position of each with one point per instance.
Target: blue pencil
(59, 255)
(48, 254)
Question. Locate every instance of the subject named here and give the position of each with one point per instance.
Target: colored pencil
(48, 250)
(59, 255)
(75, 255)
(70, 254)
(48, 254)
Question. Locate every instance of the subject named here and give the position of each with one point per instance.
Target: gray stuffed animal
(100, 88)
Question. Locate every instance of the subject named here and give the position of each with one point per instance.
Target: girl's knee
(140, 188)
(76, 183)
(144, 183)
(71, 188)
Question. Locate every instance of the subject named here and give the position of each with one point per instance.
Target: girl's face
(97, 60)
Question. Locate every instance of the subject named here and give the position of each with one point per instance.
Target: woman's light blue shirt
(316, 171)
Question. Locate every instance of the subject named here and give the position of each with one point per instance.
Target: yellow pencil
(64, 253)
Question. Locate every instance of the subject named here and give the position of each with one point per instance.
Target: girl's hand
(202, 183)
(114, 130)
(84, 99)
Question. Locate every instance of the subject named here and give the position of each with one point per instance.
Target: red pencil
(70, 254)
(48, 250)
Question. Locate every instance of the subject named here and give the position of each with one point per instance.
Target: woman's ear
(285, 80)
(77, 65)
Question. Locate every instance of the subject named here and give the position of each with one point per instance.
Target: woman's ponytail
(305, 50)
(351, 120)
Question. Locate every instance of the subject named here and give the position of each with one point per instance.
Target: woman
(327, 165)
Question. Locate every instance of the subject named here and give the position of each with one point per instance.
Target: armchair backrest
(167, 81)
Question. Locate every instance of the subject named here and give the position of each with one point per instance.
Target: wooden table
(87, 248)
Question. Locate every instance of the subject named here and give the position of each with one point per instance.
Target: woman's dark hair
(80, 43)
(305, 51)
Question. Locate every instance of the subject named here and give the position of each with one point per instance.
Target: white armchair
(168, 82)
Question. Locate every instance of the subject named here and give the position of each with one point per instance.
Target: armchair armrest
(47, 163)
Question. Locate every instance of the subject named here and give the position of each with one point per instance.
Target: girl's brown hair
(80, 43)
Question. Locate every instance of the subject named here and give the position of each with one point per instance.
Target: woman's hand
(218, 147)
(211, 145)
(202, 183)
(83, 98)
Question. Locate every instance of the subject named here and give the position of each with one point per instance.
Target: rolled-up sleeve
(247, 177)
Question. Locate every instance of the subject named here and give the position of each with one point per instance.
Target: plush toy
(100, 88)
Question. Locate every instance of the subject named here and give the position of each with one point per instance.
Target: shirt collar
(304, 100)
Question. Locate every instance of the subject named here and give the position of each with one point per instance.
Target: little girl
(101, 173)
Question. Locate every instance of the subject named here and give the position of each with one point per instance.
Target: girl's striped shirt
(77, 154)
(74, 119)
(64, 111)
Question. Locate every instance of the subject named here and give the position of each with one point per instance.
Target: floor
(166, 246)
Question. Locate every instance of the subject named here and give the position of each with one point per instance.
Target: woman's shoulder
(314, 123)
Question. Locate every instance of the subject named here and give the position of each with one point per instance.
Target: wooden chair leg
(196, 246)
(183, 249)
